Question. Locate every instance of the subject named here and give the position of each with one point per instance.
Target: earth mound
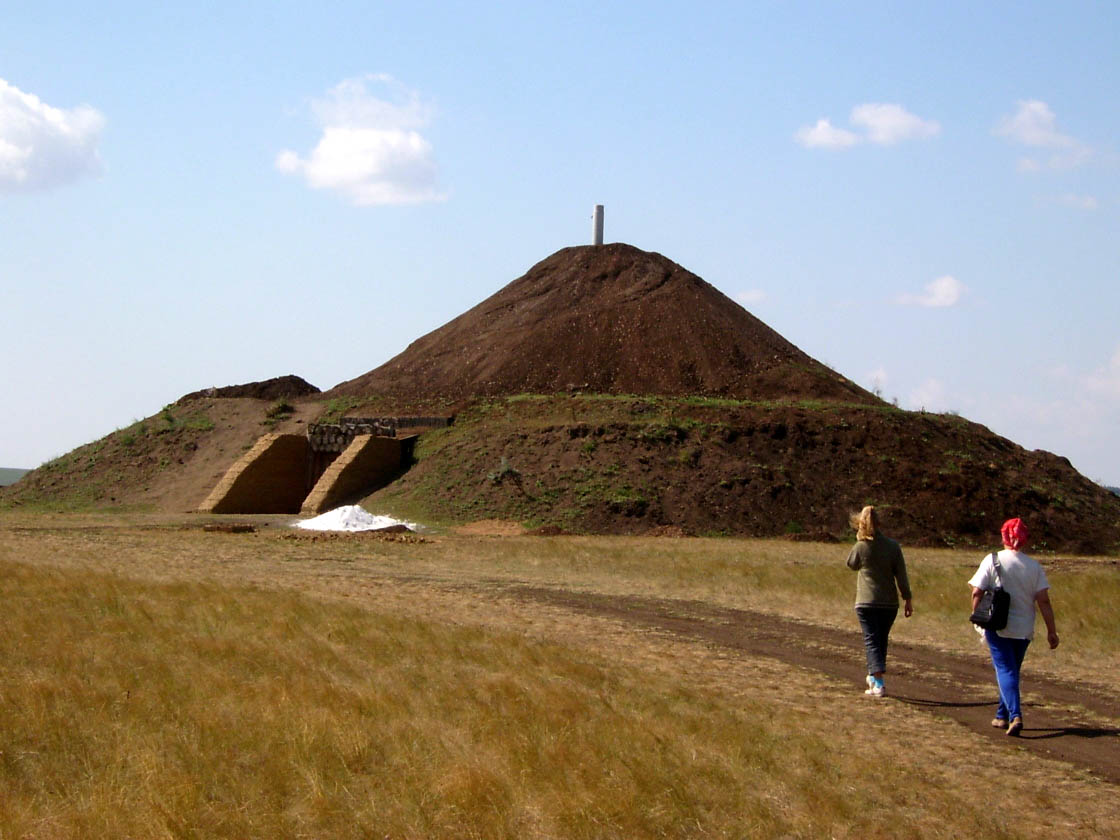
(608, 319)
(609, 390)
(276, 388)
(641, 465)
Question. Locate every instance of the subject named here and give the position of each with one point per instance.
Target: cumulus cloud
(882, 124)
(1079, 202)
(751, 296)
(1105, 380)
(943, 292)
(42, 146)
(370, 151)
(824, 135)
(1073, 412)
(886, 125)
(1035, 125)
(931, 395)
(878, 379)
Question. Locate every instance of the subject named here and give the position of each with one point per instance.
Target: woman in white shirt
(1024, 580)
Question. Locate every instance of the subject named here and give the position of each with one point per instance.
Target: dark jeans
(876, 623)
(1007, 657)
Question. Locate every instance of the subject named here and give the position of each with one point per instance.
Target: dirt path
(1061, 720)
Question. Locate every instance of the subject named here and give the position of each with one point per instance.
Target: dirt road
(1062, 720)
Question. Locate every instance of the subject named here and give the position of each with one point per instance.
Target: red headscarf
(1014, 533)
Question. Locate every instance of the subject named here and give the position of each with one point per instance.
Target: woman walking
(1024, 580)
(882, 576)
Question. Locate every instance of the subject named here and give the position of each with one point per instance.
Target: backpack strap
(995, 566)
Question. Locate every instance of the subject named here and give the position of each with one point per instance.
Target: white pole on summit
(597, 225)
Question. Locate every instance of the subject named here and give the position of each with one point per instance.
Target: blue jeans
(876, 623)
(1007, 657)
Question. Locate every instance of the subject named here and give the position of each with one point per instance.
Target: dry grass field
(157, 680)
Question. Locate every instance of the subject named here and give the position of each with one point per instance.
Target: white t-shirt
(1023, 578)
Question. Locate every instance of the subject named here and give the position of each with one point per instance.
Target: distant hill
(10, 475)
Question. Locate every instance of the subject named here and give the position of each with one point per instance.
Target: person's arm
(982, 577)
(903, 581)
(854, 561)
(1044, 607)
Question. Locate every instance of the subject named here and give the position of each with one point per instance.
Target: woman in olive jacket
(882, 576)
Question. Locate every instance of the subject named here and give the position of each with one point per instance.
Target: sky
(924, 197)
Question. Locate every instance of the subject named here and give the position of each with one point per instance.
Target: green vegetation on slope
(118, 465)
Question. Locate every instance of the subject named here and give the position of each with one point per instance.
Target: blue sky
(924, 196)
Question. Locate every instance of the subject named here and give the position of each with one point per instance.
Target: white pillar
(597, 225)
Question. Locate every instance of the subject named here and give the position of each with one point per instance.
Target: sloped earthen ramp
(368, 462)
(275, 475)
(269, 478)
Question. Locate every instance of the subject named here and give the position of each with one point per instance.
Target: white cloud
(1079, 202)
(1072, 412)
(824, 135)
(886, 124)
(751, 296)
(1036, 126)
(883, 124)
(929, 396)
(878, 379)
(42, 146)
(943, 292)
(1105, 380)
(370, 150)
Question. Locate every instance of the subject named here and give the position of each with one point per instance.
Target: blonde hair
(866, 523)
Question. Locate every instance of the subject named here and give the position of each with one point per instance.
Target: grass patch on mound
(194, 710)
(96, 475)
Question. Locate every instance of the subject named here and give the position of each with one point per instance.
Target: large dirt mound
(733, 430)
(608, 319)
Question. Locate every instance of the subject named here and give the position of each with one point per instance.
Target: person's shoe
(1015, 727)
(875, 688)
(999, 723)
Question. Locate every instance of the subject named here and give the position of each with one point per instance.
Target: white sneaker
(875, 689)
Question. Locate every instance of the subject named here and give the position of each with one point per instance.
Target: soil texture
(609, 319)
(635, 465)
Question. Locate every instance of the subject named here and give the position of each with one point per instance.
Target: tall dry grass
(139, 709)
(811, 582)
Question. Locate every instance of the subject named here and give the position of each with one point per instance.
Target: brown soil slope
(610, 319)
(627, 465)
